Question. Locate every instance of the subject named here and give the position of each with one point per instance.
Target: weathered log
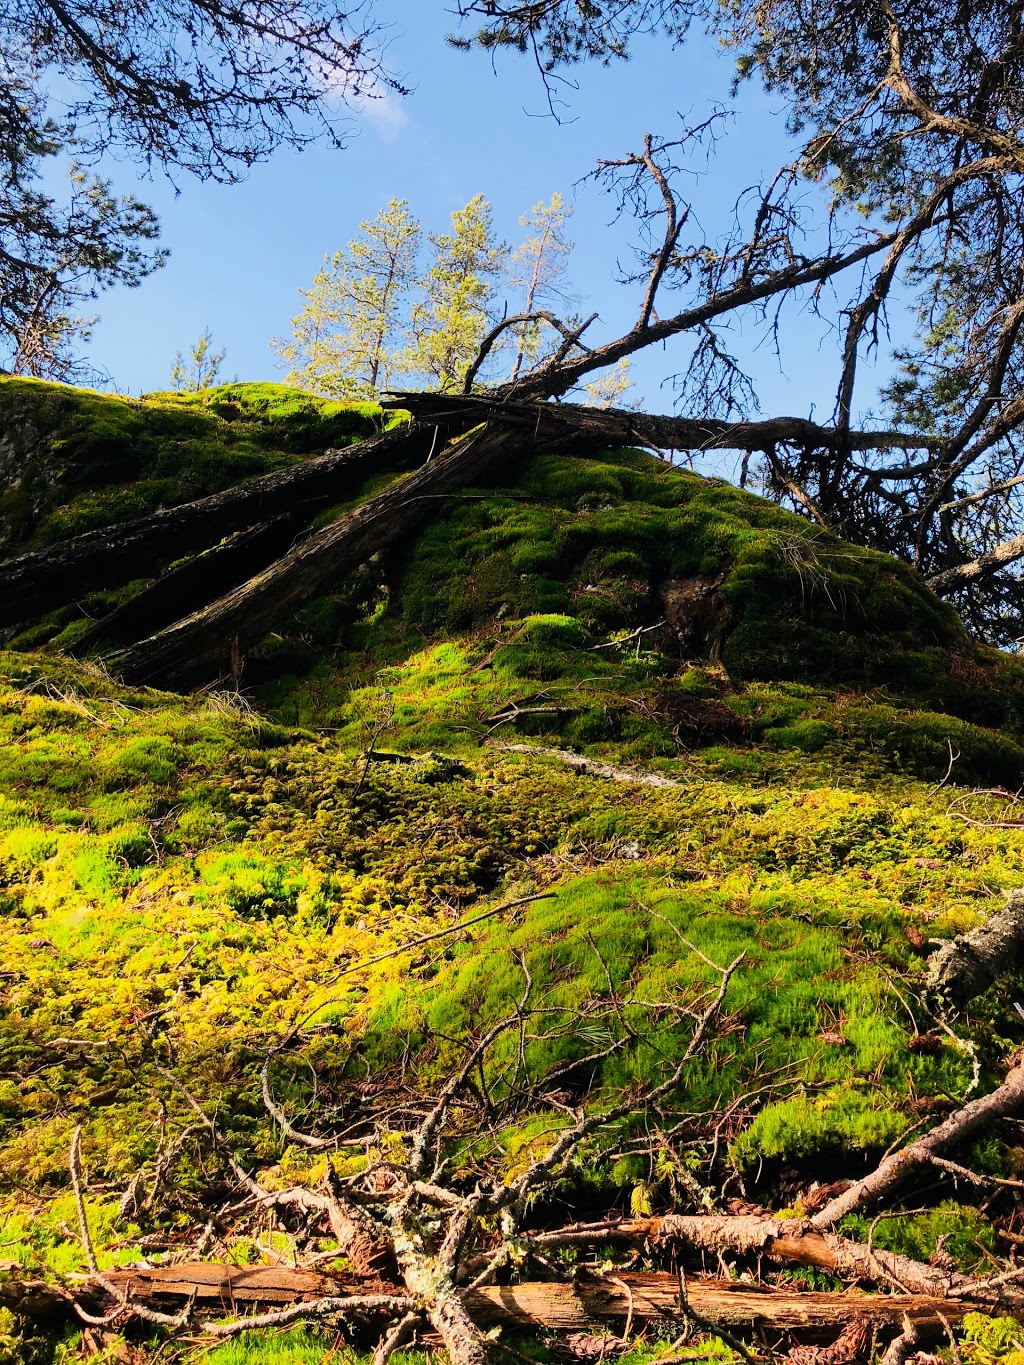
(225, 1289)
(618, 426)
(786, 1241)
(224, 1286)
(191, 585)
(37, 582)
(970, 963)
(213, 642)
(33, 1299)
(726, 1303)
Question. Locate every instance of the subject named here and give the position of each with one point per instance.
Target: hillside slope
(711, 734)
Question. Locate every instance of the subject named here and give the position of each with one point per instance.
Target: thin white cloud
(382, 109)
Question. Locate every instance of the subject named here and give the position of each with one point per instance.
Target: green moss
(298, 1346)
(223, 875)
(75, 460)
(614, 542)
(807, 735)
(844, 1119)
(959, 1230)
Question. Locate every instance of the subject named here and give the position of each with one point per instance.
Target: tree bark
(191, 585)
(37, 582)
(786, 1241)
(617, 426)
(211, 643)
(970, 963)
(983, 567)
(726, 1303)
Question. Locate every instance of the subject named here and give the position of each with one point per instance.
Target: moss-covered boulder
(73, 459)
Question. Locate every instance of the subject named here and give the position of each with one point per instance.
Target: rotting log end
(966, 966)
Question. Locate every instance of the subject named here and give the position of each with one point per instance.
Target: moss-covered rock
(72, 459)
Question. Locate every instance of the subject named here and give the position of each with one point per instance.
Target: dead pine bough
(441, 1236)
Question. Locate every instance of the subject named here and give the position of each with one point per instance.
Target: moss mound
(183, 880)
(72, 460)
(620, 541)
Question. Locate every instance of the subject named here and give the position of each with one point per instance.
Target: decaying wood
(196, 623)
(571, 1307)
(211, 643)
(970, 963)
(621, 427)
(33, 1298)
(224, 1286)
(785, 1241)
(191, 585)
(559, 1307)
(34, 583)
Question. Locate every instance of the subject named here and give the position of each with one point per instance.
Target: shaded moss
(73, 460)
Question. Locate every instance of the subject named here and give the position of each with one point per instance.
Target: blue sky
(239, 253)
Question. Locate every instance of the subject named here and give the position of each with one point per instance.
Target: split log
(37, 582)
(220, 1288)
(561, 1307)
(223, 1287)
(970, 963)
(725, 1303)
(212, 643)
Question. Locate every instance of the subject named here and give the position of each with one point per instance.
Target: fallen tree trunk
(619, 426)
(970, 963)
(38, 582)
(785, 1241)
(212, 643)
(191, 585)
(559, 1307)
(725, 1303)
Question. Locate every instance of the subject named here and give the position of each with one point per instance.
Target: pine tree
(342, 342)
(452, 315)
(611, 388)
(538, 267)
(202, 368)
